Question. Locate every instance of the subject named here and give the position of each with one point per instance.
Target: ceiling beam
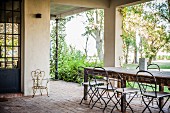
(68, 13)
(84, 3)
(125, 3)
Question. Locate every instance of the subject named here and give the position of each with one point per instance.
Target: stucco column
(36, 40)
(112, 39)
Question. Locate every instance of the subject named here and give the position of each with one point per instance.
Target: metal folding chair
(148, 88)
(105, 90)
(92, 83)
(123, 92)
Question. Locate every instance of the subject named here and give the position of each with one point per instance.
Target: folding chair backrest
(153, 67)
(99, 74)
(147, 82)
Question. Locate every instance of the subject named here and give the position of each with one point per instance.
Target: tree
(95, 28)
(154, 27)
(127, 42)
(148, 20)
(131, 17)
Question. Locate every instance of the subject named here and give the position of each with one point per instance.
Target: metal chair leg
(100, 97)
(41, 91)
(47, 92)
(110, 99)
(88, 93)
(118, 102)
(161, 108)
(94, 93)
(34, 91)
(147, 105)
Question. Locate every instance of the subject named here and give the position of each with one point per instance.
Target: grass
(162, 65)
(130, 84)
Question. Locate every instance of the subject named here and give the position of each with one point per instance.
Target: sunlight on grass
(163, 65)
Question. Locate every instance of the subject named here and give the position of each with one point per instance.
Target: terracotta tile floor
(64, 98)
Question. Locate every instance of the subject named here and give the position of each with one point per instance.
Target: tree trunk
(150, 60)
(135, 56)
(85, 49)
(99, 47)
(99, 41)
(127, 54)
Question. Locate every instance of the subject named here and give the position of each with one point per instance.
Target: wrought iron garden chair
(39, 82)
(148, 88)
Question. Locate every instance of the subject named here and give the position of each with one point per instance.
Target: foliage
(147, 21)
(127, 42)
(131, 17)
(69, 59)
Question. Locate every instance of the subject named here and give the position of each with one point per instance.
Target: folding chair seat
(92, 83)
(149, 91)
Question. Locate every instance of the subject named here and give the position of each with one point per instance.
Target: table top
(157, 74)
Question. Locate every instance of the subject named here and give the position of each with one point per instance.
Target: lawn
(162, 65)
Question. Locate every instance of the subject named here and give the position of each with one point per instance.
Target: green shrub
(168, 57)
(69, 59)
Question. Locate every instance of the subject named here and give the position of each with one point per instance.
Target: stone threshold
(11, 95)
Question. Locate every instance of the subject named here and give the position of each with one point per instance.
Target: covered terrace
(33, 21)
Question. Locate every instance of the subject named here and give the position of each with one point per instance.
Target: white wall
(36, 40)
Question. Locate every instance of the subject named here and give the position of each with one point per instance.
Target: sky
(74, 30)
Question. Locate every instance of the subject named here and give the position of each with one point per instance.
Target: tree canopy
(148, 20)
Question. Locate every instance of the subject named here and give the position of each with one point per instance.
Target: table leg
(85, 86)
(161, 100)
(123, 101)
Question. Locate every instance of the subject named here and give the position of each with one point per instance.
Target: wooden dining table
(162, 77)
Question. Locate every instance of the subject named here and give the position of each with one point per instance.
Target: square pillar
(112, 37)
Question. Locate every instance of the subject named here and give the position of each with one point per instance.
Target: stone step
(11, 95)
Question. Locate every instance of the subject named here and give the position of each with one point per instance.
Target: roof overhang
(63, 8)
(60, 11)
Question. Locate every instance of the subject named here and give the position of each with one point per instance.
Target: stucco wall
(36, 40)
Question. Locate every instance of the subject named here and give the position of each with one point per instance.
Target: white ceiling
(58, 10)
